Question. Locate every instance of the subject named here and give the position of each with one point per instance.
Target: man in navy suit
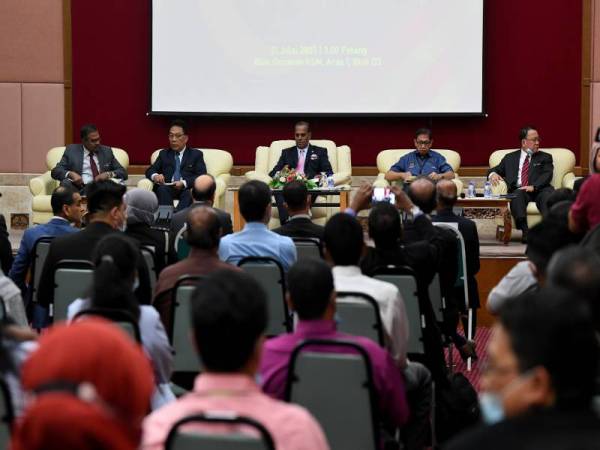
(176, 168)
(304, 158)
(86, 162)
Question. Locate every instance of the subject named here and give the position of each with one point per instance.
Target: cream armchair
(564, 163)
(387, 158)
(339, 157)
(41, 187)
(218, 164)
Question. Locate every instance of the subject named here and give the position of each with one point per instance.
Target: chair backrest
(55, 154)
(266, 160)
(185, 358)
(337, 389)
(438, 303)
(359, 314)
(563, 159)
(461, 277)
(308, 248)
(7, 414)
(218, 162)
(387, 158)
(149, 255)
(121, 318)
(269, 273)
(182, 436)
(72, 280)
(182, 248)
(38, 258)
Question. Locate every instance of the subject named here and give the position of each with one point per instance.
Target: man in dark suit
(176, 168)
(297, 203)
(203, 193)
(86, 162)
(304, 158)
(528, 174)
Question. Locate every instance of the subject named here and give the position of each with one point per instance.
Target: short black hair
(104, 195)
(426, 201)
(559, 212)
(303, 123)
(229, 314)
(544, 327)
(205, 237)
(310, 284)
(384, 225)
(426, 131)
(202, 196)
(295, 195)
(254, 197)
(179, 123)
(544, 239)
(526, 129)
(343, 238)
(62, 195)
(559, 195)
(86, 130)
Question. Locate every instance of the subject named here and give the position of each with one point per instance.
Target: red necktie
(525, 172)
(93, 166)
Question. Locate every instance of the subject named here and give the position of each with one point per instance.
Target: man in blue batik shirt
(422, 162)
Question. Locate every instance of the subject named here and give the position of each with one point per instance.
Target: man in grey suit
(86, 162)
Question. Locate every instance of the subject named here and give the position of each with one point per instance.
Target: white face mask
(491, 405)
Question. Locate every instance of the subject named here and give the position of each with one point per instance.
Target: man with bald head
(203, 234)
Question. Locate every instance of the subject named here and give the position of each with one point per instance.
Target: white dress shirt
(391, 306)
(86, 170)
(517, 281)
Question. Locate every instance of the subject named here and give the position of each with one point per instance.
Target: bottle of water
(330, 182)
(471, 189)
(487, 190)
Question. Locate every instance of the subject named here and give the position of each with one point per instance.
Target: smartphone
(383, 194)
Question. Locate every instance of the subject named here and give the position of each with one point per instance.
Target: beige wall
(32, 83)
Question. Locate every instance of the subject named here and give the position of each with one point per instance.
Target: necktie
(93, 166)
(177, 174)
(525, 172)
(301, 159)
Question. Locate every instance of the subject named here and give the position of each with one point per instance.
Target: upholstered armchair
(339, 157)
(218, 164)
(41, 187)
(387, 158)
(564, 163)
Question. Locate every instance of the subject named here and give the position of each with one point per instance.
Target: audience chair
(183, 436)
(387, 158)
(41, 187)
(337, 389)
(269, 273)
(308, 248)
(7, 415)
(182, 248)
(359, 315)
(149, 254)
(72, 280)
(438, 302)
(339, 157)
(38, 258)
(218, 164)
(123, 319)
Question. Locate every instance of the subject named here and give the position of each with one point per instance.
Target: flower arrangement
(287, 175)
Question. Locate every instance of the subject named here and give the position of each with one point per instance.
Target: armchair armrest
(500, 189)
(254, 175)
(341, 178)
(569, 180)
(145, 183)
(380, 181)
(42, 185)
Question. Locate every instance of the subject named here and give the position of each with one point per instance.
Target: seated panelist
(421, 162)
(86, 162)
(176, 168)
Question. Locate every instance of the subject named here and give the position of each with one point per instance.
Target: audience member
(297, 203)
(594, 167)
(585, 213)
(528, 185)
(6, 256)
(86, 162)
(176, 168)
(558, 196)
(532, 397)
(90, 387)
(256, 239)
(229, 319)
(10, 296)
(203, 234)
(115, 259)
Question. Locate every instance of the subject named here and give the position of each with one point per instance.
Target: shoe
(468, 351)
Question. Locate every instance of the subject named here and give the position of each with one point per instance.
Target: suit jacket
(316, 161)
(178, 219)
(6, 256)
(72, 160)
(192, 165)
(301, 227)
(81, 246)
(541, 170)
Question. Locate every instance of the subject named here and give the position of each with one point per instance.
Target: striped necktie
(525, 172)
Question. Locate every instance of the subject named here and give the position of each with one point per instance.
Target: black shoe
(468, 351)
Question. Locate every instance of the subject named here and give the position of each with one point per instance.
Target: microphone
(529, 152)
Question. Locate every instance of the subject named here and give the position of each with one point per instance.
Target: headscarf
(593, 154)
(141, 206)
(92, 356)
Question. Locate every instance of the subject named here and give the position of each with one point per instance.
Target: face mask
(136, 284)
(492, 410)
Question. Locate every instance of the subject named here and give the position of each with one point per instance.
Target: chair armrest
(500, 189)
(42, 185)
(341, 178)
(459, 185)
(380, 181)
(254, 175)
(569, 180)
(146, 184)
(224, 177)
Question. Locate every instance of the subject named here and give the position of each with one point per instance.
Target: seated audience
(10, 295)
(6, 255)
(89, 387)
(229, 319)
(176, 168)
(115, 260)
(203, 234)
(594, 165)
(297, 202)
(532, 397)
(421, 162)
(256, 239)
(558, 196)
(585, 212)
(86, 162)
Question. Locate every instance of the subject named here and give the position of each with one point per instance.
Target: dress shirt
(391, 306)
(180, 161)
(301, 152)
(86, 171)
(417, 165)
(518, 280)
(290, 426)
(585, 212)
(388, 381)
(257, 240)
(522, 159)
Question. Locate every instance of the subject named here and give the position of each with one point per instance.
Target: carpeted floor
(482, 337)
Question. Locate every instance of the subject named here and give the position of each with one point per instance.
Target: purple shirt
(387, 378)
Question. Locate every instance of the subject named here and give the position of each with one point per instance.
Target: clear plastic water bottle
(487, 190)
(471, 189)
(330, 182)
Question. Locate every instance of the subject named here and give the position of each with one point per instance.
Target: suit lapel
(80, 155)
(294, 158)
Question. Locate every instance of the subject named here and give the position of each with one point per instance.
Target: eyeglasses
(175, 136)
(423, 142)
(535, 139)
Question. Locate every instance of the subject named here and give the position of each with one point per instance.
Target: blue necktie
(177, 174)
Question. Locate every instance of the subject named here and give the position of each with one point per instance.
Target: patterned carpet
(482, 337)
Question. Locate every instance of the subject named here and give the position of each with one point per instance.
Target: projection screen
(317, 56)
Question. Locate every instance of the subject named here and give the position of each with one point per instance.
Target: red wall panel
(532, 75)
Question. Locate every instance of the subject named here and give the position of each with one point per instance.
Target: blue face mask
(492, 410)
